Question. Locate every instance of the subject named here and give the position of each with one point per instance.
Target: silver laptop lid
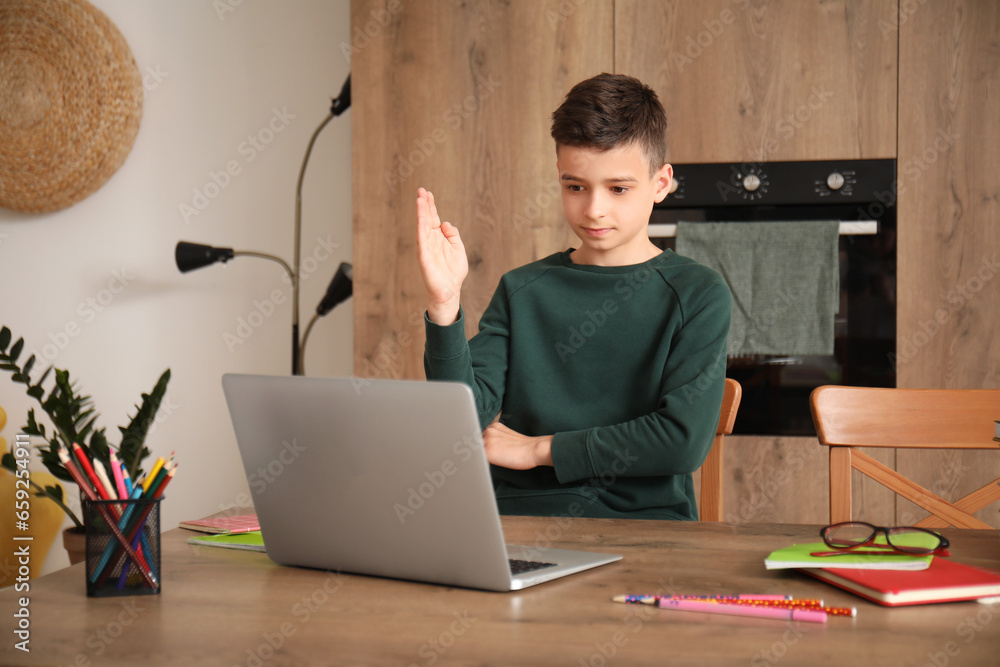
(343, 472)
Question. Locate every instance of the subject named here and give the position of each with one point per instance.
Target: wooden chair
(711, 470)
(850, 417)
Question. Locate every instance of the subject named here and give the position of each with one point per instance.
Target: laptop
(380, 477)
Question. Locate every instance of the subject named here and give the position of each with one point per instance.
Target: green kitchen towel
(784, 278)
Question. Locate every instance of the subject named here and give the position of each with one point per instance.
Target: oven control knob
(835, 181)
(751, 182)
(674, 184)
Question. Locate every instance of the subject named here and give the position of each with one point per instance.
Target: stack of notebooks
(227, 532)
(891, 579)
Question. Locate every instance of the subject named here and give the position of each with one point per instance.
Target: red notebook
(943, 581)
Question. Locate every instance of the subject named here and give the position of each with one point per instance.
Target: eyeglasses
(907, 539)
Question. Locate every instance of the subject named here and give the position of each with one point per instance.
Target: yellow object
(45, 519)
(152, 474)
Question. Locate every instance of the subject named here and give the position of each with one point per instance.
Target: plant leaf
(33, 427)
(99, 447)
(8, 461)
(15, 351)
(55, 491)
(132, 449)
(4, 338)
(27, 368)
(52, 463)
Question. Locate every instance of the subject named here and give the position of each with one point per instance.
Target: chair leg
(840, 484)
(711, 483)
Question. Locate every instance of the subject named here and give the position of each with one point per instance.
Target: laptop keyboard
(522, 566)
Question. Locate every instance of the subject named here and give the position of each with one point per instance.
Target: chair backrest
(849, 417)
(710, 507)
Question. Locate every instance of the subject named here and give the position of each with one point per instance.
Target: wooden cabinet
(774, 80)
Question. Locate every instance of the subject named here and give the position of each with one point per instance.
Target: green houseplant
(73, 419)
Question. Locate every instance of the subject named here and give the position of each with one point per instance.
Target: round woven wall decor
(70, 102)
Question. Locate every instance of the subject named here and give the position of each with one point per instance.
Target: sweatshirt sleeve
(481, 362)
(676, 437)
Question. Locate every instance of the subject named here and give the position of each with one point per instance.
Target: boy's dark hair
(611, 110)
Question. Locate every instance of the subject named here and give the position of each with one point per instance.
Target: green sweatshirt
(623, 365)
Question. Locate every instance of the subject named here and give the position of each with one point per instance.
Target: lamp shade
(341, 288)
(191, 256)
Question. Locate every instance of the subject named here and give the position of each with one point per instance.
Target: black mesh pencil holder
(123, 547)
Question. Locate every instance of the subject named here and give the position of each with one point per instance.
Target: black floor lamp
(191, 256)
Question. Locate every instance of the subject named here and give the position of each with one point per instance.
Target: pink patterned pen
(807, 615)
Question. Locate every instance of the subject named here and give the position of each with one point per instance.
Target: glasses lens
(914, 541)
(847, 535)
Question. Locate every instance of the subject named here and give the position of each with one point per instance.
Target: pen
(808, 615)
(652, 599)
(811, 605)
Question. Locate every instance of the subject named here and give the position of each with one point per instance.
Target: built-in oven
(858, 193)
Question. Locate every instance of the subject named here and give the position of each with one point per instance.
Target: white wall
(213, 78)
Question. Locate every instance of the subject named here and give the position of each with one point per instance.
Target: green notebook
(797, 555)
(252, 541)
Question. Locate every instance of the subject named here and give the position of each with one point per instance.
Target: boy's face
(607, 198)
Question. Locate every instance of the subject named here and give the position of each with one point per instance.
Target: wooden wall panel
(775, 480)
(766, 80)
(949, 222)
(457, 97)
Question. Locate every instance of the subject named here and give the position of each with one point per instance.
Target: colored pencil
(116, 472)
(110, 548)
(152, 474)
(138, 522)
(86, 468)
(102, 476)
(91, 495)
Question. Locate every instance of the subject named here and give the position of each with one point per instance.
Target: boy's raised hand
(443, 262)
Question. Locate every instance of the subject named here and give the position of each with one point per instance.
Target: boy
(605, 362)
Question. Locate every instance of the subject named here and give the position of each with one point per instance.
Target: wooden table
(223, 607)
